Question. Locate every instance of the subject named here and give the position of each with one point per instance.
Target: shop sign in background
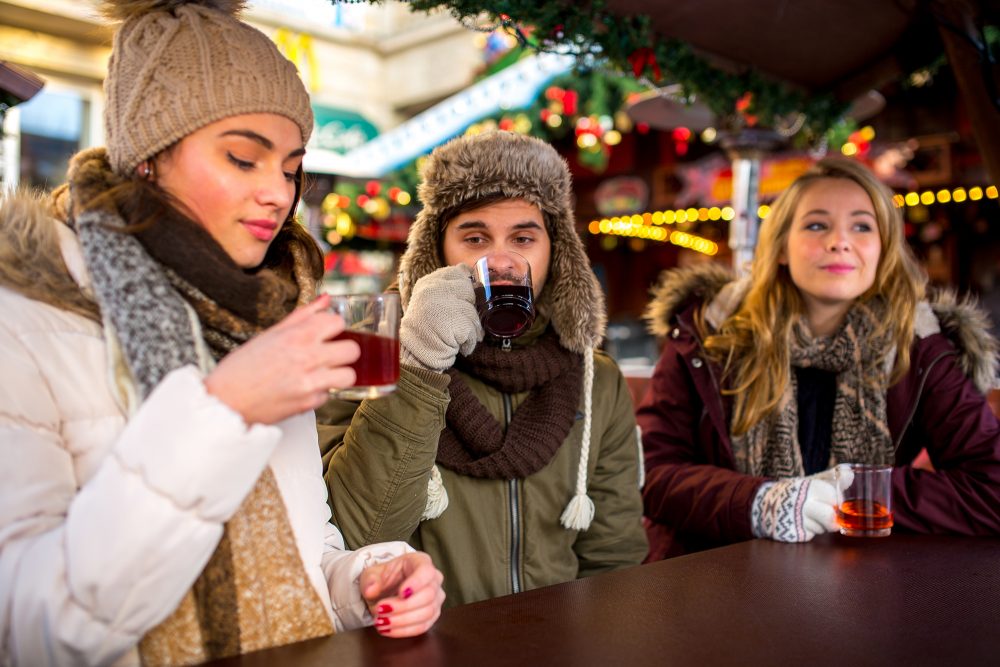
(340, 130)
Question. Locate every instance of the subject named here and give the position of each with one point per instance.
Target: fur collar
(961, 320)
(31, 257)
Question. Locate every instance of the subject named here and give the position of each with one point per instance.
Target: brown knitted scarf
(860, 426)
(474, 443)
(254, 592)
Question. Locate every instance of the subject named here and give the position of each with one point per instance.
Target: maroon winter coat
(695, 499)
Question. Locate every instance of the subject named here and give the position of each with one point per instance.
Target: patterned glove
(796, 509)
(441, 319)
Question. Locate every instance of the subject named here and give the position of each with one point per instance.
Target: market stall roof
(844, 47)
(511, 88)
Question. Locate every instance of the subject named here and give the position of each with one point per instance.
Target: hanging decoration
(373, 211)
(627, 44)
(584, 107)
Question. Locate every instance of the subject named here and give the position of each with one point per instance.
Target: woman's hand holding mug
(288, 368)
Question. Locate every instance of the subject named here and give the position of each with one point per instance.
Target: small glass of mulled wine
(373, 321)
(504, 299)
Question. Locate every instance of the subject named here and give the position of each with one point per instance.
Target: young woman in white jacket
(161, 352)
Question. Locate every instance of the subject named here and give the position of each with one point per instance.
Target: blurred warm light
(641, 230)
(708, 135)
(648, 225)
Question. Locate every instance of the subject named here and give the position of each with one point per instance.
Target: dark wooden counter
(903, 600)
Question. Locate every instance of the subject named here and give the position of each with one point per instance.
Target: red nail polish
(381, 620)
(407, 592)
(383, 609)
(384, 631)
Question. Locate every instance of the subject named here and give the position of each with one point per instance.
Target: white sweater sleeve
(343, 572)
(86, 571)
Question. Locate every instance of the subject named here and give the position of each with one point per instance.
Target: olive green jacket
(496, 536)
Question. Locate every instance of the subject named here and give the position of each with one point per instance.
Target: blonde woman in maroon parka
(828, 352)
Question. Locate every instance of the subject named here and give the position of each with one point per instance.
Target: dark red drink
(506, 311)
(864, 517)
(379, 362)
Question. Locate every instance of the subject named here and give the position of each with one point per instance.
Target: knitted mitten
(441, 320)
(795, 509)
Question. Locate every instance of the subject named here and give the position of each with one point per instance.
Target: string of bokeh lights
(649, 226)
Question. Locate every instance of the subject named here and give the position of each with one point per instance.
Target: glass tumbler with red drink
(864, 499)
(373, 321)
(502, 282)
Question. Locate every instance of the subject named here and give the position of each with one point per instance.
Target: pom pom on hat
(122, 10)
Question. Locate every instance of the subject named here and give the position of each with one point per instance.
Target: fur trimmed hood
(961, 320)
(31, 259)
(516, 167)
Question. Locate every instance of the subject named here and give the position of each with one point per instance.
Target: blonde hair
(754, 341)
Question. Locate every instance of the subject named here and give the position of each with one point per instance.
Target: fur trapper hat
(471, 168)
(178, 65)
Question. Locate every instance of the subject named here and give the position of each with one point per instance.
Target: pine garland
(628, 44)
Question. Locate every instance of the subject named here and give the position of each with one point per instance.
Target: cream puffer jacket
(107, 521)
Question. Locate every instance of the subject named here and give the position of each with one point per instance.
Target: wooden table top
(902, 600)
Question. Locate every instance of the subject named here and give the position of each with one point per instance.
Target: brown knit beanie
(178, 65)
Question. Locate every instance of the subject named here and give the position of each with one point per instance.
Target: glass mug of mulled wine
(373, 321)
(864, 499)
(502, 283)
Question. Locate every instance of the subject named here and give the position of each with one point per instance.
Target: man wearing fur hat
(514, 467)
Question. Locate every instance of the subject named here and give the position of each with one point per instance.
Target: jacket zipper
(515, 516)
(916, 403)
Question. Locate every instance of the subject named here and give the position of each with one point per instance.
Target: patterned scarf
(860, 427)
(474, 443)
(254, 592)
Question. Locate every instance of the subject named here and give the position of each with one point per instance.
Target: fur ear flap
(122, 10)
